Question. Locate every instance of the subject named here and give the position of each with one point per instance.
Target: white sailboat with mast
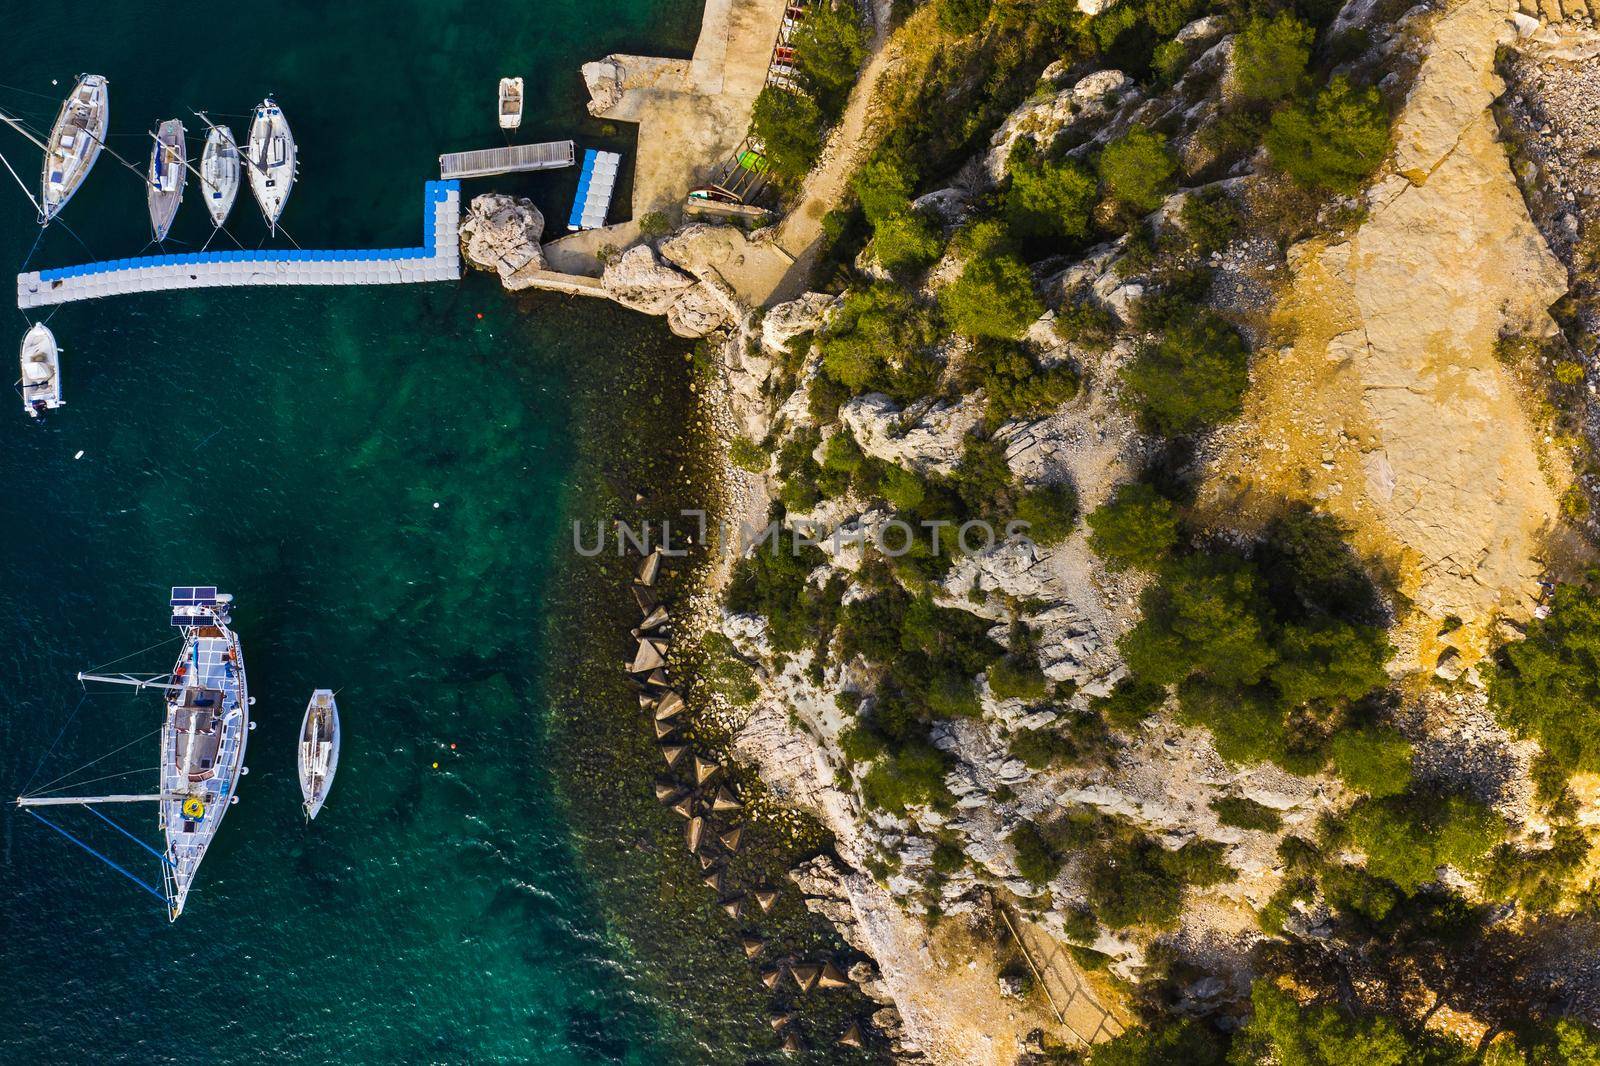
(272, 159)
(75, 143)
(203, 740)
(319, 750)
(219, 171)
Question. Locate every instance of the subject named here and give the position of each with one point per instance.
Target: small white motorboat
(510, 103)
(41, 371)
(319, 749)
(169, 170)
(271, 157)
(219, 173)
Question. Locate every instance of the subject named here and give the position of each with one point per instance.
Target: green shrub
(1407, 838)
(1374, 760)
(1336, 142)
(1130, 883)
(911, 776)
(1200, 863)
(906, 242)
(982, 479)
(1040, 749)
(1330, 661)
(1138, 169)
(789, 125)
(829, 47)
(1165, 1043)
(1244, 813)
(1192, 378)
(1017, 387)
(1050, 511)
(948, 858)
(902, 488)
(1311, 571)
(1045, 198)
(1018, 677)
(748, 455)
(859, 744)
(962, 17)
(1130, 702)
(1249, 726)
(1270, 57)
(1547, 686)
(1211, 219)
(883, 185)
(1082, 321)
(878, 341)
(1137, 528)
(1280, 1030)
(993, 296)
(1204, 617)
(653, 224)
(1352, 890)
(1036, 859)
(1537, 879)
(772, 582)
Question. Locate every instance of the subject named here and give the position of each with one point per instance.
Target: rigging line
(158, 895)
(25, 191)
(29, 258)
(102, 758)
(96, 812)
(162, 643)
(59, 734)
(94, 780)
(29, 92)
(74, 234)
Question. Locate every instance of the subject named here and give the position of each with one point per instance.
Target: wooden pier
(514, 159)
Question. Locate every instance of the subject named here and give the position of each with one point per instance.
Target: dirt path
(1064, 984)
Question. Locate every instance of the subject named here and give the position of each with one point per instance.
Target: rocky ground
(1378, 395)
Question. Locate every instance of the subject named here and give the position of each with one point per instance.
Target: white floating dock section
(595, 184)
(514, 159)
(438, 258)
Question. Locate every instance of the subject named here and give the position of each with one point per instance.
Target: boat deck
(437, 259)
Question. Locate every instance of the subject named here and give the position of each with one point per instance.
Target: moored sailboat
(74, 144)
(319, 750)
(272, 160)
(203, 739)
(169, 161)
(219, 173)
(41, 371)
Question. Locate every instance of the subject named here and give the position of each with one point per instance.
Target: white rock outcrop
(786, 321)
(927, 436)
(641, 281)
(501, 233)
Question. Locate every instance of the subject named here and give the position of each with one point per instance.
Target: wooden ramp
(514, 159)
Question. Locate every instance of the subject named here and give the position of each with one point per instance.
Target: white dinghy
(41, 371)
(510, 103)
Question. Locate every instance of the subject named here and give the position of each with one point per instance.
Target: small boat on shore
(272, 160)
(75, 143)
(219, 173)
(319, 750)
(169, 169)
(41, 371)
(510, 103)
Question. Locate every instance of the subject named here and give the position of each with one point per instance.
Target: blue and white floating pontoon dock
(438, 258)
(595, 184)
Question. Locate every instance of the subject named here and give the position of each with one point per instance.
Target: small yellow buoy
(193, 807)
(435, 766)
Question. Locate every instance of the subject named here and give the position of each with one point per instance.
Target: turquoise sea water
(383, 479)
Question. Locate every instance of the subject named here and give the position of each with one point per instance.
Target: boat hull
(203, 744)
(272, 161)
(318, 750)
(74, 145)
(219, 173)
(40, 385)
(169, 171)
(510, 103)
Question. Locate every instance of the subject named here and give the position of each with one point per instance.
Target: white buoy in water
(435, 505)
(79, 455)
